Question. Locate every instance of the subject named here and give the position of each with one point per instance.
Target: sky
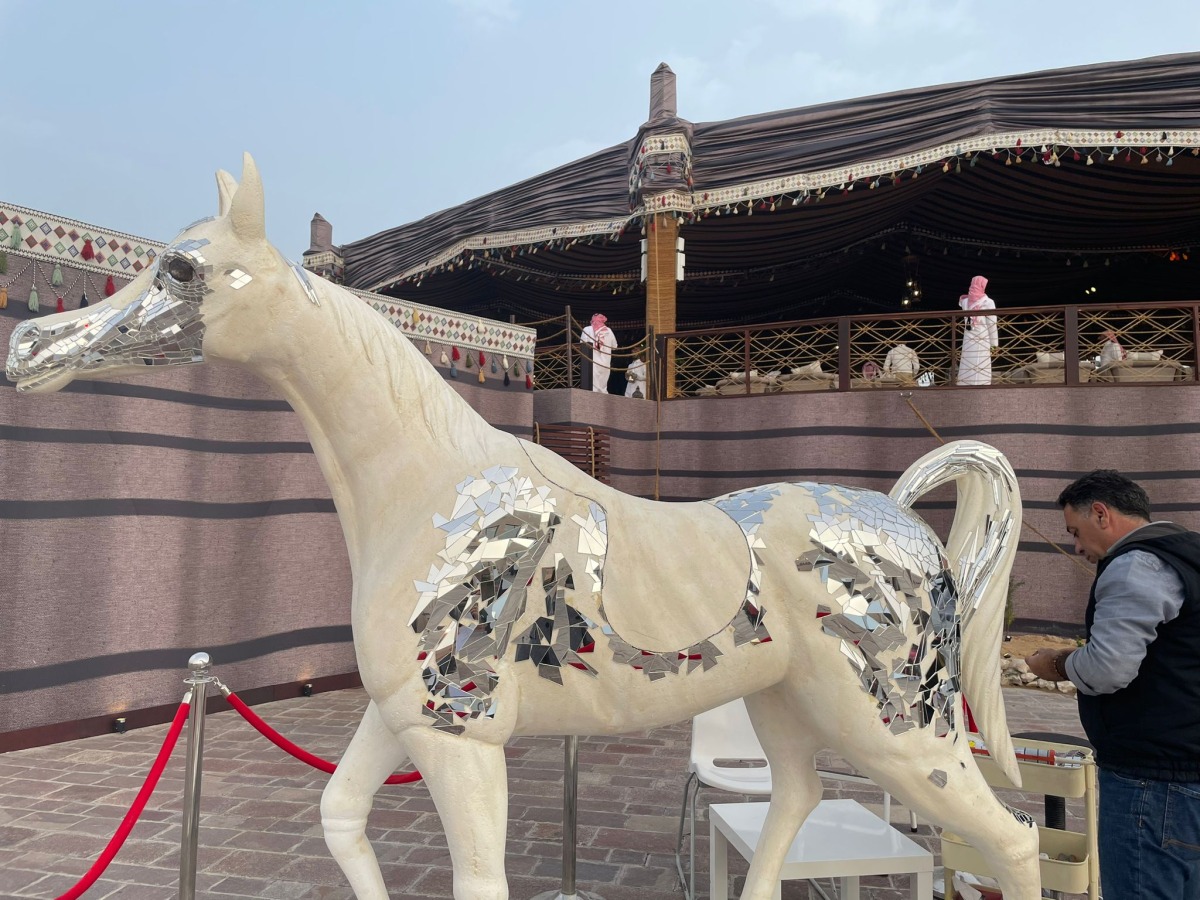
(376, 114)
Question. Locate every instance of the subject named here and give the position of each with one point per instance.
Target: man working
(1139, 686)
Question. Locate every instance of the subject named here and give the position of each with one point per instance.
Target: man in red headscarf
(980, 339)
(603, 342)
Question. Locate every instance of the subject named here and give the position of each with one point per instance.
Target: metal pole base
(559, 895)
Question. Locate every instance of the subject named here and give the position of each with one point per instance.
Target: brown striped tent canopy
(1049, 183)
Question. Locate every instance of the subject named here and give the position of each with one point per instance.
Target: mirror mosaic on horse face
(161, 327)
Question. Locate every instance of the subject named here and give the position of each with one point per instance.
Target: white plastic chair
(724, 733)
(727, 734)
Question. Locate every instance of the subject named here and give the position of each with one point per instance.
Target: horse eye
(180, 269)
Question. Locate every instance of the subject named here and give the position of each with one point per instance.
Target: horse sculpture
(499, 591)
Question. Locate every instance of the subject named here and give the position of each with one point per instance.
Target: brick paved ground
(260, 834)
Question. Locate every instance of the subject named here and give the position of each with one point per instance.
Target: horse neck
(383, 424)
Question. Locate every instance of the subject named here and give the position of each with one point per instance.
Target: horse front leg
(795, 786)
(468, 781)
(373, 754)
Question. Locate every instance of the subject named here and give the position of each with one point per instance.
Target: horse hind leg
(374, 753)
(795, 786)
(940, 781)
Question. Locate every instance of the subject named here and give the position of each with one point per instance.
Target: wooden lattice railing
(1157, 342)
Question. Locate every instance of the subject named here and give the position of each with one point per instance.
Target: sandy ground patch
(1021, 645)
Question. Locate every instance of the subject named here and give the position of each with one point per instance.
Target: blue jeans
(1149, 838)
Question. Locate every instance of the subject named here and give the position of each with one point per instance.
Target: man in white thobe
(635, 379)
(603, 342)
(980, 337)
(902, 362)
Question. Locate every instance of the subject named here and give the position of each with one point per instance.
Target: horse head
(208, 294)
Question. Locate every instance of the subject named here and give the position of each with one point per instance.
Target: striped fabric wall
(1051, 435)
(142, 521)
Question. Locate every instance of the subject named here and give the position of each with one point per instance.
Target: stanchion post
(570, 814)
(199, 679)
(570, 811)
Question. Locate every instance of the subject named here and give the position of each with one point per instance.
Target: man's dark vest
(1151, 727)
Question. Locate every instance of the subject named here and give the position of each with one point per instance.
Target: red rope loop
(298, 752)
(139, 804)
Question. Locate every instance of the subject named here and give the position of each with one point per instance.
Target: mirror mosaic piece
(305, 282)
(558, 638)
(981, 555)
(1021, 816)
(161, 327)
(593, 546)
(746, 508)
(495, 536)
(894, 603)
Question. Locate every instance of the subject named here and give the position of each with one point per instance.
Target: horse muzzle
(41, 351)
(104, 341)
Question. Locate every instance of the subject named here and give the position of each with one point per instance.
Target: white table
(840, 839)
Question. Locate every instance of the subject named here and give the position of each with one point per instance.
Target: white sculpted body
(500, 591)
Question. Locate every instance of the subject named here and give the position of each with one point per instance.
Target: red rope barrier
(139, 804)
(298, 752)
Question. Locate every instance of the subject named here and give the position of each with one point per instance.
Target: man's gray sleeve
(1137, 593)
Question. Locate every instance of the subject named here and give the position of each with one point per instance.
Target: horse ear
(246, 209)
(226, 188)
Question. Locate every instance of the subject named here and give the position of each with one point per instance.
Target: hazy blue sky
(376, 114)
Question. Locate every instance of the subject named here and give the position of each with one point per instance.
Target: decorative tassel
(428, 349)
(516, 370)
(3, 298)
(529, 366)
(88, 252)
(482, 361)
(529, 382)
(83, 301)
(504, 361)
(454, 354)
(453, 369)
(507, 381)
(109, 287)
(56, 278)
(15, 237)
(416, 318)
(3, 263)
(470, 361)
(493, 365)
(445, 359)
(58, 307)
(33, 300)
(481, 376)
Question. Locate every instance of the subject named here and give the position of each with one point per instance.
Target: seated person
(902, 361)
(635, 378)
(1112, 351)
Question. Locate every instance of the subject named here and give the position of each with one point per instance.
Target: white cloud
(551, 156)
(878, 16)
(486, 13)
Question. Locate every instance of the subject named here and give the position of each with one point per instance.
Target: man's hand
(1048, 664)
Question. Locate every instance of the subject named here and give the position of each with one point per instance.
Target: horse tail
(981, 547)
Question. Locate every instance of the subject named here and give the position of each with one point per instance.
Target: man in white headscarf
(603, 342)
(979, 335)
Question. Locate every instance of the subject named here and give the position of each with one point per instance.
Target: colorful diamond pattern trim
(114, 251)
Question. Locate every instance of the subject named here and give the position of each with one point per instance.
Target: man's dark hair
(1110, 487)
